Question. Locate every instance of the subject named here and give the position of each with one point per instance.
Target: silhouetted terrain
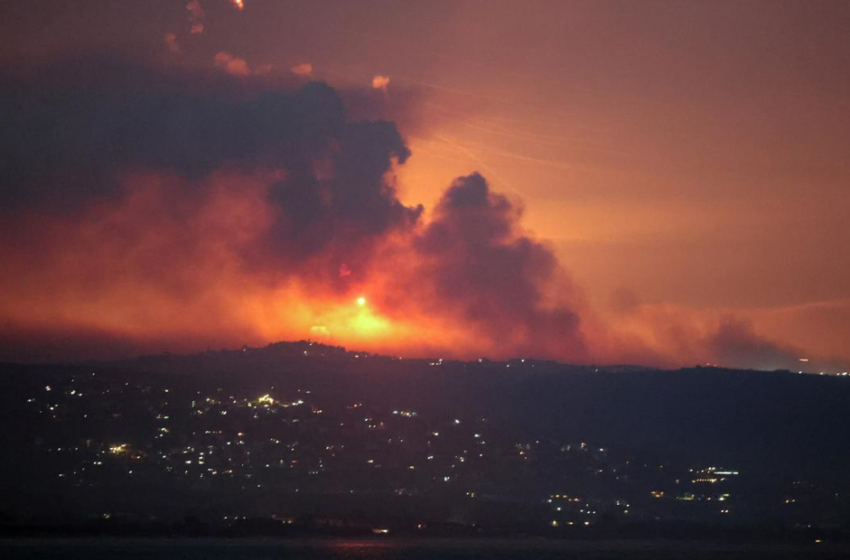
(301, 437)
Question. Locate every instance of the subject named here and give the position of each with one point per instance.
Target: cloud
(70, 147)
(335, 195)
(381, 83)
(196, 16)
(231, 64)
(302, 70)
(478, 262)
(735, 342)
(236, 66)
(674, 335)
(170, 40)
(153, 209)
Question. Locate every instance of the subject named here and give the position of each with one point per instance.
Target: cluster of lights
(709, 474)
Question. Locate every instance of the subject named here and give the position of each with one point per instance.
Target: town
(237, 452)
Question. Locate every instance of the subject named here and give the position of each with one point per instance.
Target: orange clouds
(236, 66)
(302, 70)
(181, 265)
(174, 270)
(196, 16)
(245, 212)
(232, 65)
(121, 266)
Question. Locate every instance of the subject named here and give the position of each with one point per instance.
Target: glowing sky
(686, 163)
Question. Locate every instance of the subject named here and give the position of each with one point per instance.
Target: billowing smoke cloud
(478, 264)
(672, 335)
(735, 341)
(70, 149)
(152, 210)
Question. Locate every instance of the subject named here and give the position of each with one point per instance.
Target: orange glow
(672, 171)
(381, 83)
(106, 273)
(116, 271)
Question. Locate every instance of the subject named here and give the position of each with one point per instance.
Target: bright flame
(361, 301)
(381, 83)
(240, 4)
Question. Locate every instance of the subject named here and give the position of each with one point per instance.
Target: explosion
(250, 213)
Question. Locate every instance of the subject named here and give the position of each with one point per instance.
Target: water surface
(413, 549)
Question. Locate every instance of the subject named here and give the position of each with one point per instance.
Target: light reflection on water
(238, 549)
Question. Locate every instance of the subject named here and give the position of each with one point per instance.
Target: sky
(663, 183)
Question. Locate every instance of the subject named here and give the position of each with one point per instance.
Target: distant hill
(784, 432)
(772, 419)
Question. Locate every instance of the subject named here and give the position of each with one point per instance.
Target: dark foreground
(304, 441)
(165, 549)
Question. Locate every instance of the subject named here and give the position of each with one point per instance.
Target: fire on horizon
(589, 182)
